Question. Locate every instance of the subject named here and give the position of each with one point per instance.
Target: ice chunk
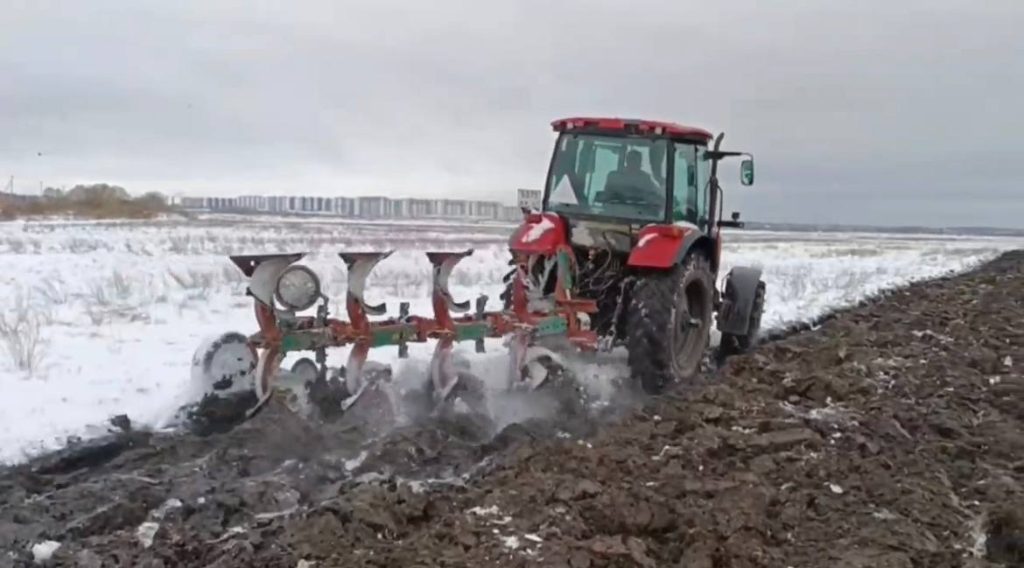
(146, 533)
(43, 551)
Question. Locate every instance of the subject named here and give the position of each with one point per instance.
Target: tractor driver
(632, 183)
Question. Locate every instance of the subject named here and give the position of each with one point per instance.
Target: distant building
(419, 208)
(410, 208)
(529, 198)
(373, 207)
(510, 213)
(278, 204)
(366, 207)
(345, 206)
(435, 207)
(253, 202)
(484, 209)
(192, 202)
(455, 208)
(316, 205)
(221, 203)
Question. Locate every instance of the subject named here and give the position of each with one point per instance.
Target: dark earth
(887, 435)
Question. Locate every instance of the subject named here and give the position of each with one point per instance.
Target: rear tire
(668, 323)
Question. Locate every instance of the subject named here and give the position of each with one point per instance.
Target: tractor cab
(630, 173)
(610, 178)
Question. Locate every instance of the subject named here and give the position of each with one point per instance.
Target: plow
(623, 252)
(280, 288)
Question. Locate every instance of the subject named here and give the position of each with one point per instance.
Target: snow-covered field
(103, 318)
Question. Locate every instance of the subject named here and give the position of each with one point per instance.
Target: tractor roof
(632, 126)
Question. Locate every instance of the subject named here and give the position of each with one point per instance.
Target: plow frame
(282, 332)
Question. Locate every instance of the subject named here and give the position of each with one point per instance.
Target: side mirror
(735, 215)
(747, 172)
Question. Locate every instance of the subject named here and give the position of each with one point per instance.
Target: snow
(481, 511)
(43, 551)
(538, 229)
(146, 533)
(511, 542)
(167, 506)
(120, 307)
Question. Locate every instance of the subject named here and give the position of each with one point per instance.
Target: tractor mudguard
(740, 290)
(540, 233)
(663, 246)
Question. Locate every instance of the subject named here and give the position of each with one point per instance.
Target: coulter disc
(541, 371)
(224, 365)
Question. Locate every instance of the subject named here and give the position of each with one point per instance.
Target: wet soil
(888, 435)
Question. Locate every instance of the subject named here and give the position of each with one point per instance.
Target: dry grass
(21, 334)
(105, 209)
(118, 288)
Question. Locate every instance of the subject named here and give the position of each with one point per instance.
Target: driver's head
(633, 160)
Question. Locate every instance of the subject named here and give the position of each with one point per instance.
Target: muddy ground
(890, 436)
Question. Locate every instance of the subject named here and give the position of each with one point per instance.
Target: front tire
(668, 323)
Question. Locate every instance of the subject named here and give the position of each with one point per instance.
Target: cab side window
(685, 198)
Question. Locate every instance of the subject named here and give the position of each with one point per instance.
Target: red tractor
(631, 220)
(624, 251)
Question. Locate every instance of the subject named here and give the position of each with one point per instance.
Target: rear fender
(738, 299)
(540, 233)
(663, 246)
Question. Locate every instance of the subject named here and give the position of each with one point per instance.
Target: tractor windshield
(608, 176)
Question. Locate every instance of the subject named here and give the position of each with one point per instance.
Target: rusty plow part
(448, 381)
(443, 263)
(531, 367)
(451, 381)
(263, 271)
(266, 370)
(443, 376)
(356, 381)
(359, 265)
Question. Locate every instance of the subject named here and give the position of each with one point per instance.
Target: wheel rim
(690, 323)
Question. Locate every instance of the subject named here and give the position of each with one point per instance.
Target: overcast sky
(893, 112)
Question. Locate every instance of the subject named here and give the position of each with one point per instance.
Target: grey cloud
(901, 112)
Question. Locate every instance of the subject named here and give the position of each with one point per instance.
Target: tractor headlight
(298, 288)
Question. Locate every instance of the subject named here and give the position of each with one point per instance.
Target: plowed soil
(888, 435)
